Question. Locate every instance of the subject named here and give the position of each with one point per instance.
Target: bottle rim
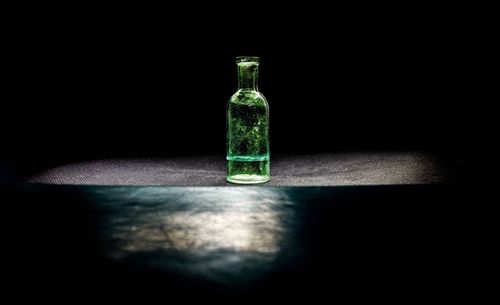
(253, 59)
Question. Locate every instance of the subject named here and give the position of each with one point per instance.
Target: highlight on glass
(248, 157)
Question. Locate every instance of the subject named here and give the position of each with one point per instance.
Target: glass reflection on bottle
(248, 157)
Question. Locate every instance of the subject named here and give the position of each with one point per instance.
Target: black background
(89, 83)
(85, 87)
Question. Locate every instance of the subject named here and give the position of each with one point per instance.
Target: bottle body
(248, 156)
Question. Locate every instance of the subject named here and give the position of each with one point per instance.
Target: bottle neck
(248, 73)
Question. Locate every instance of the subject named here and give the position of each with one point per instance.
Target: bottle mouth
(252, 59)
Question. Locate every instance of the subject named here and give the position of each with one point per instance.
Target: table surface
(236, 242)
(366, 168)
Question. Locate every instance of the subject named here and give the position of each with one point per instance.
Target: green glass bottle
(248, 128)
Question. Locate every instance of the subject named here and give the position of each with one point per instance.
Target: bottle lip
(253, 59)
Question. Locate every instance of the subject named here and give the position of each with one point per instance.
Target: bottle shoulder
(248, 97)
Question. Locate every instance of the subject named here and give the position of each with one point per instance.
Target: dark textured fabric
(172, 243)
(376, 168)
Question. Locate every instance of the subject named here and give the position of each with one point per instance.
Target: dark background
(87, 87)
(89, 83)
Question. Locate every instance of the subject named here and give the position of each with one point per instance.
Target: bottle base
(248, 179)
